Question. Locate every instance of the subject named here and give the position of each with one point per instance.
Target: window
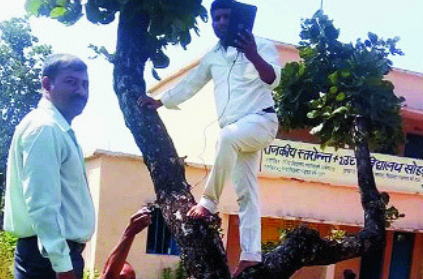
(414, 146)
(159, 239)
(402, 252)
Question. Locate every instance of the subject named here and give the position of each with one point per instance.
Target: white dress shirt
(238, 89)
(47, 194)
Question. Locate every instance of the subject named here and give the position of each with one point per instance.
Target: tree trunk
(200, 244)
(199, 241)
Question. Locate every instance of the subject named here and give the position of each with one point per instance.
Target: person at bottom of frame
(116, 266)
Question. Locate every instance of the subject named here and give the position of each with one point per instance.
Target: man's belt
(73, 245)
(76, 246)
(269, 110)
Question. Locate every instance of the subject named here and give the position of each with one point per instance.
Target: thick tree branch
(199, 242)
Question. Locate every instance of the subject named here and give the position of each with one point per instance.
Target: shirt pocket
(246, 69)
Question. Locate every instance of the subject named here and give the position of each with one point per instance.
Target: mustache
(80, 98)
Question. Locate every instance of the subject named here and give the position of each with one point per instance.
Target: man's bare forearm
(265, 70)
(118, 256)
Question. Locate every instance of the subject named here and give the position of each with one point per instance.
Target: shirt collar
(48, 106)
(219, 47)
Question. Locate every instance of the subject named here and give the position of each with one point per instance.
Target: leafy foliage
(91, 275)
(336, 82)
(170, 21)
(7, 250)
(178, 273)
(392, 214)
(20, 66)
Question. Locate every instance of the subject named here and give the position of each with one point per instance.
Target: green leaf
(317, 129)
(160, 60)
(333, 78)
(61, 3)
(155, 74)
(301, 70)
(96, 15)
(333, 89)
(33, 6)
(345, 74)
(314, 104)
(57, 12)
(340, 96)
(185, 39)
(326, 115)
(373, 37)
(203, 14)
(313, 114)
(341, 110)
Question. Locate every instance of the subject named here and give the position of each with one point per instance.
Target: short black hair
(62, 61)
(349, 274)
(221, 4)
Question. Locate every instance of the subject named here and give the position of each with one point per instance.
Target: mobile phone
(242, 18)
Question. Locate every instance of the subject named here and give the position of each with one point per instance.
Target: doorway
(402, 251)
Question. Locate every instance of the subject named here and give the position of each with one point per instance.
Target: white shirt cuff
(61, 263)
(277, 80)
(208, 204)
(167, 101)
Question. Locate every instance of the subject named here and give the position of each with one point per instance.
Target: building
(312, 188)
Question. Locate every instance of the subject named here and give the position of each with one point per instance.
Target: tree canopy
(169, 22)
(21, 60)
(336, 82)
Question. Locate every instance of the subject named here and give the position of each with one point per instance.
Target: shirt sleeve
(188, 87)
(42, 193)
(269, 52)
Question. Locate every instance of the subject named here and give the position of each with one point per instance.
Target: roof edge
(112, 154)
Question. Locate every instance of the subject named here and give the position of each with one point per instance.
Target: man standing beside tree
(48, 204)
(243, 81)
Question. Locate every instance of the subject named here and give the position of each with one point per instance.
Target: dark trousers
(29, 264)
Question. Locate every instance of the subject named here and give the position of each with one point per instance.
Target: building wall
(409, 85)
(123, 187)
(121, 184)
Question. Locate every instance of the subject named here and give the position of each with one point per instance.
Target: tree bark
(199, 241)
(200, 244)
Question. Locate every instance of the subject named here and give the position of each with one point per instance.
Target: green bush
(7, 250)
(178, 273)
(87, 274)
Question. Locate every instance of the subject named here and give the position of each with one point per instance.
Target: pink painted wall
(409, 85)
(324, 203)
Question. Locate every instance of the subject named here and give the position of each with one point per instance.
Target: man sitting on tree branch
(243, 81)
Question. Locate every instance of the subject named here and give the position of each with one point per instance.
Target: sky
(101, 125)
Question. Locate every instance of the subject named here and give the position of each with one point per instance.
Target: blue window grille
(159, 238)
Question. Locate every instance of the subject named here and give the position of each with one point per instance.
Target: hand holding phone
(246, 43)
(241, 19)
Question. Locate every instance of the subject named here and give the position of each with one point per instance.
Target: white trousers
(237, 156)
